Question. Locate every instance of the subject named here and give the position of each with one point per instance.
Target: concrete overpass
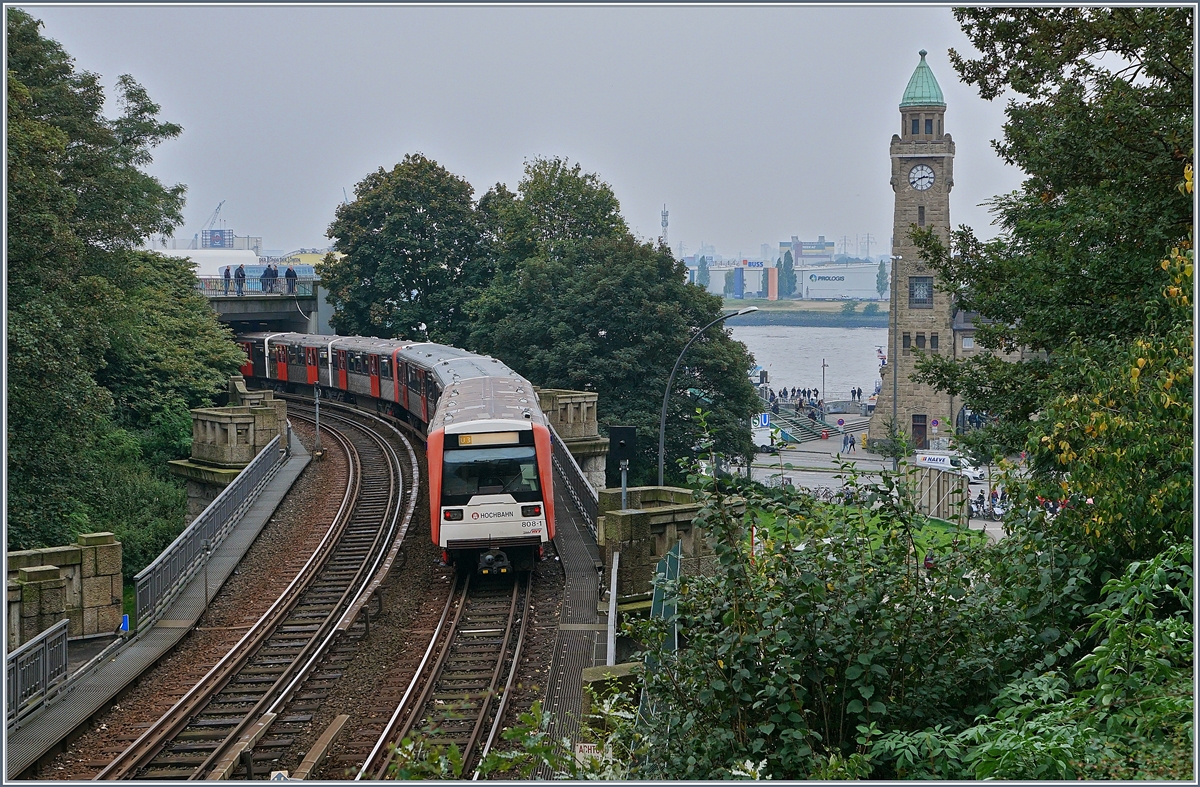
(301, 311)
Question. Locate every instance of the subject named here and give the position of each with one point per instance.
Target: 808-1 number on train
(491, 493)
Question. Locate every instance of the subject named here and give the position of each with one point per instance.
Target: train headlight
(531, 510)
(452, 514)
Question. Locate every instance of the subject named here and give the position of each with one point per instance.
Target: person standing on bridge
(290, 275)
(227, 274)
(239, 278)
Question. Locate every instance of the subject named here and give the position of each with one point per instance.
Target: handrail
(159, 582)
(586, 498)
(305, 286)
(34, 669)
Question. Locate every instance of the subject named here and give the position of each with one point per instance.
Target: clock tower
(921, 316)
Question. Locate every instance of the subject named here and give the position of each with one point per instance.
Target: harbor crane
(211, 221)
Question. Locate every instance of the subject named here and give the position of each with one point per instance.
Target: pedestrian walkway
(581, 640)
(93, 689)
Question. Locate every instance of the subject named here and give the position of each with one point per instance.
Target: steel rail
(427, 678)
(502, 705)
(388, 736)
(220, 762)
(175, 719)
(491, 689)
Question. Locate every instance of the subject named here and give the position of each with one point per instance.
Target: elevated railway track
(227, 724)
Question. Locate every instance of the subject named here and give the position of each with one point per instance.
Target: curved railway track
(456, 690)
(222, 725)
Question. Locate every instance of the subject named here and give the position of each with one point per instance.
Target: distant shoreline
(812, 319)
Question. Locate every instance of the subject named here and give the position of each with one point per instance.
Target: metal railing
(34, 669)
(215, 285)
(586, 498)
(159, 582)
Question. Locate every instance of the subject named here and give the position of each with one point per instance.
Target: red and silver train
(491, 493)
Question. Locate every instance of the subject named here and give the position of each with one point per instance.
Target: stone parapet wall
(656, 518)
(571, 413)
(225, 440)
(573, 416)
(81, 582)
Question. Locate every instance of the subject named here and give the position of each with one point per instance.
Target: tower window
(929, 126)
(939, 127)
(916, 126)
(968, 342)
(920, 341)
(906, 341)
(920, 215)
(920, 292)
(933, 343)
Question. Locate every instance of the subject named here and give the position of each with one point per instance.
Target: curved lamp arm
(662, 422)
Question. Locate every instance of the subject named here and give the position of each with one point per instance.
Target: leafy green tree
(1118, 443)
(702, 277)
(849, 307)
(1123, 712)
(881, 280)
(1102, 145)
(727, 284)
(787, 276)
(567, 205)
(611, 315)
(108, 347)
(406, 239)
(838, 625)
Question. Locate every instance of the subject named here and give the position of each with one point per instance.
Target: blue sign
(216, 239)
(124, 623)
(841, 422)
(764, 420)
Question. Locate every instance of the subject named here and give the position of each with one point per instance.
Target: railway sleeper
(223, 721)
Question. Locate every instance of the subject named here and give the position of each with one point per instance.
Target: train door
(247, 368)
(373, 371)
(431, 393)
(281, 362)
(421, 375)
(398, 370)
(310, 360)
(341, 365)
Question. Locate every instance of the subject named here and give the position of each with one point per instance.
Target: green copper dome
(922, 90)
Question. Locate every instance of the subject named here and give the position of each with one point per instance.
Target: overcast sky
(752, 124)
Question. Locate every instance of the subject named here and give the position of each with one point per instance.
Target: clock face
(920, 177)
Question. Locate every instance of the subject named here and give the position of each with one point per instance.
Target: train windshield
(506, 470)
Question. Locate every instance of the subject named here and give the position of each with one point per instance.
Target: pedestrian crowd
(268, 280)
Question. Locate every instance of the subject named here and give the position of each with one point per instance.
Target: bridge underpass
(302, 311)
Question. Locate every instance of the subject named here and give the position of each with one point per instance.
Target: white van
(951, 463)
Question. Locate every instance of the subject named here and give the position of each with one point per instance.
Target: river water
(792, 356)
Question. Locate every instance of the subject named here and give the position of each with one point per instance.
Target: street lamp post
(662, 422)
(895, 359)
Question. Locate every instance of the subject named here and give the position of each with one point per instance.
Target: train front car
(491, 493)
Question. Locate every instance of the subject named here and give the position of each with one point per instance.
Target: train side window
(385, 368)
(323, 354)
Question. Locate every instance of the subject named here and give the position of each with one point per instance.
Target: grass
(934, 534)
(129, 604)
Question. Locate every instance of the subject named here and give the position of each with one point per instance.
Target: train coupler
(494, 561)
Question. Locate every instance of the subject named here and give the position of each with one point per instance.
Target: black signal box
(622, 442)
